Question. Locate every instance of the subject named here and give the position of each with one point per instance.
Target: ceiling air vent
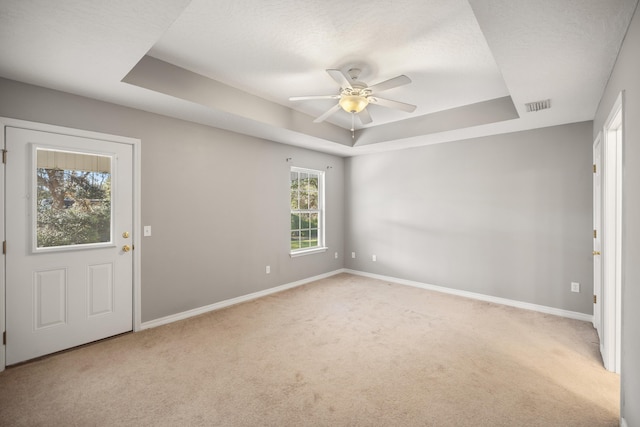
(538, 105)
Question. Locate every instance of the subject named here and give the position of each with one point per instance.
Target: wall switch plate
(575, 287)
(373, 258)
(147, 230)
(353, 254)
(268, 269)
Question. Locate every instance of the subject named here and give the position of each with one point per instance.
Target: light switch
(147, 230)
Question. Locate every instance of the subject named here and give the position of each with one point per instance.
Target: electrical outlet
(373, 258)
(575, 287)
(353, 254)
(335, 255)
(268, 269)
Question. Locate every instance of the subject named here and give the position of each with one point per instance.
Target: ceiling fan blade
(329, 112)
(409, 108)
(303, 98)
(365, 117)
(390, 84)
(340, 78)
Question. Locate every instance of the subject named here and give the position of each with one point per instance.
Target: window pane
(295, 221)
(295, 240)
(304, 196)
(294, 190)
(73, 198)
(304, 202)
(313, 238)
(304, 220)
(304, 239)
(294, 200)
(313, 200)
(312, 189)
(313, 182)
(313, 220)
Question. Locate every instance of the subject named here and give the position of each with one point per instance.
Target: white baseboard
(623, 422)
(513, 303)
(226, 303)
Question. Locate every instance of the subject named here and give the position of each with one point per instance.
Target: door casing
(136, 232)
(612, 199)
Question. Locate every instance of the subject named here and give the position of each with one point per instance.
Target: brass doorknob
(126, 248)
(125, 234)
(596, 252)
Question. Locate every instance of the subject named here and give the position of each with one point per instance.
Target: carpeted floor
(343, 351)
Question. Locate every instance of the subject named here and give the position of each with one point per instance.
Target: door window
(73, 199)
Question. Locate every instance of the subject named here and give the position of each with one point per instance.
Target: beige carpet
(344, 351)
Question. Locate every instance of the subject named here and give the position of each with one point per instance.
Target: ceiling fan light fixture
(355, 96)
(353, 103)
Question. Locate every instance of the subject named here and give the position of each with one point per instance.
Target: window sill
(307, 252)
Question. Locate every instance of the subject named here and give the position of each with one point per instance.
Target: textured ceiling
(280, 49)
(234, 64)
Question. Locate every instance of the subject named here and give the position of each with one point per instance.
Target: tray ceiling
(234, 64)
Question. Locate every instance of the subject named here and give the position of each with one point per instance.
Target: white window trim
(322, 247)
(303, 252)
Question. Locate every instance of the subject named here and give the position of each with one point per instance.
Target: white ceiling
(234, 63)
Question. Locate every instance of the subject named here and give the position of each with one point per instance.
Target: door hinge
(4, 338)
(4, 247)
(595, 234)
(595, 299)
(4, 156)
(594, 168)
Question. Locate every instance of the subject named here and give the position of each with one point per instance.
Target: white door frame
(612, 237)
(136, 234)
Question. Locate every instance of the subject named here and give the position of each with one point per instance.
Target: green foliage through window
(73, 207)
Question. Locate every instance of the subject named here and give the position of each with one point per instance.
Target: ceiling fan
(355, 96)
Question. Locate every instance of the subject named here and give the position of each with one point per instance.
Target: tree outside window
(73, 203)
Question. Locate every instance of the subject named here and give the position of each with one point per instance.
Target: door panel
(50, 298)
(101, 289)
(68, 210)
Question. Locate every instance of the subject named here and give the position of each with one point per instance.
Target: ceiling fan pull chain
(353, 125)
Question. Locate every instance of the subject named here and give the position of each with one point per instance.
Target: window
(307, 210)
(73, 199)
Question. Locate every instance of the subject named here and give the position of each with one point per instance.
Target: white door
(69, 224)
(597, 236)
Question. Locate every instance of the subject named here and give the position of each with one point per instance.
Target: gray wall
(217, 200)
(507, 215)
(625, 78)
